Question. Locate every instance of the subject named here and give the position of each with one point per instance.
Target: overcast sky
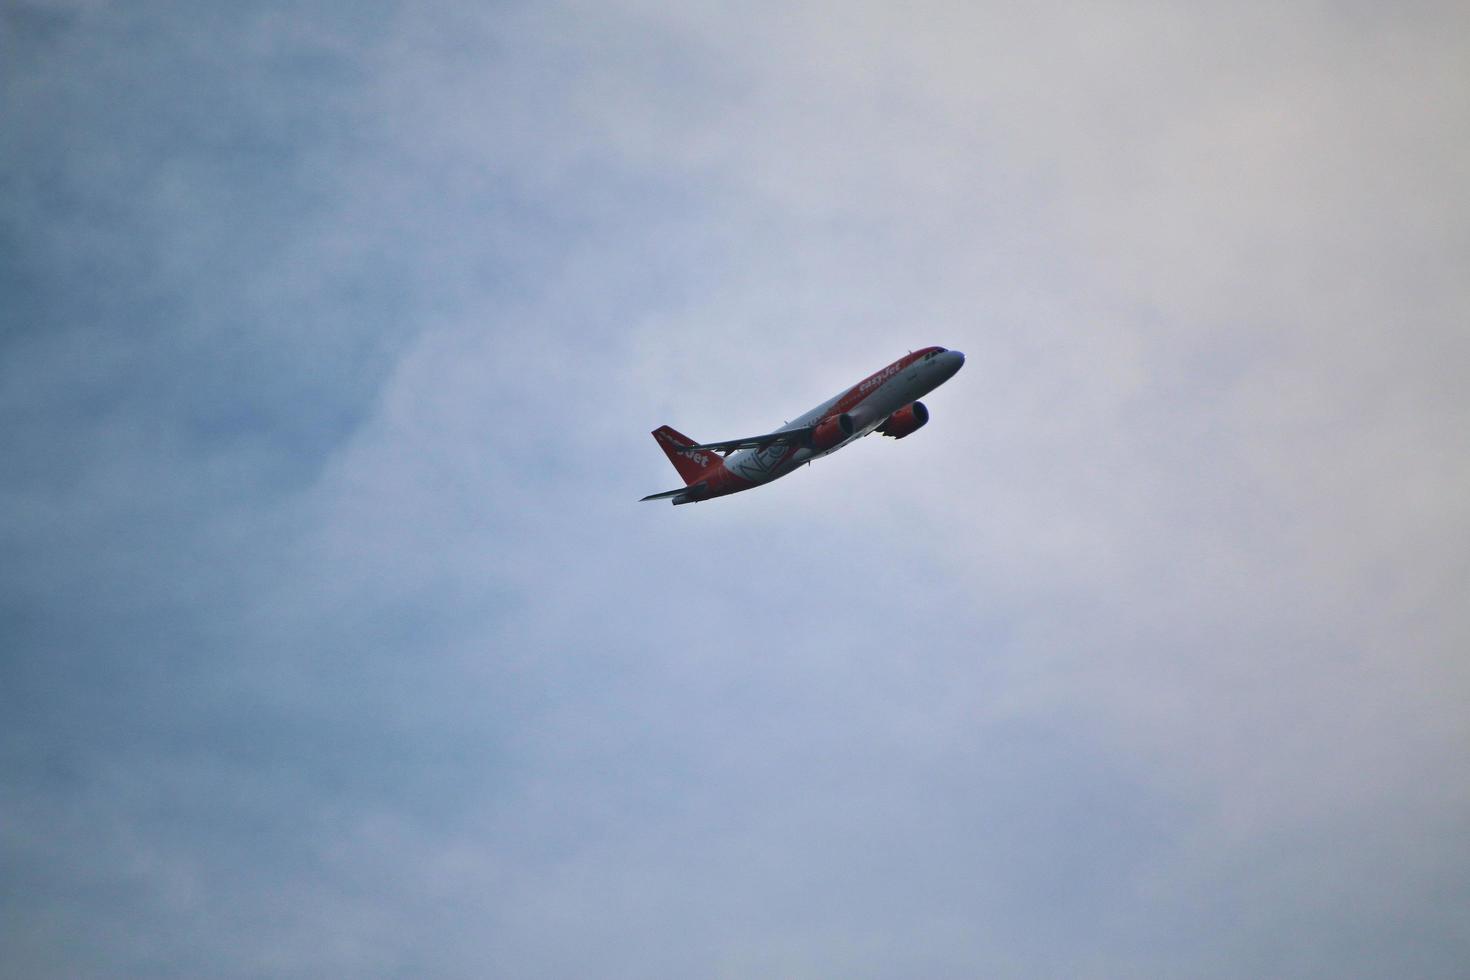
(334, 642)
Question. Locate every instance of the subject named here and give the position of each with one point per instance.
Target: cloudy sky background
(334, 642)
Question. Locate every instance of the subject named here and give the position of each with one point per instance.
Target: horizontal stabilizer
(695, 488)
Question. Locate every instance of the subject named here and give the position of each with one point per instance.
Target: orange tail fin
(689, 464)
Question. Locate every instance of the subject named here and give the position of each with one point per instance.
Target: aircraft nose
(956, 360)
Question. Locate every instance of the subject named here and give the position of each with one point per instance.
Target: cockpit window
(937, 350)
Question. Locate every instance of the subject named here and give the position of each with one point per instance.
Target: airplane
(885, 401)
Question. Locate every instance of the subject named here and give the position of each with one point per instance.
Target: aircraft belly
(888, 399)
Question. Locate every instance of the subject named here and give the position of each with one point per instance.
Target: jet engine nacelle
(905, 421)
(832, 430)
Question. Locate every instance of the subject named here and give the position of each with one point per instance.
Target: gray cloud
(334, 643)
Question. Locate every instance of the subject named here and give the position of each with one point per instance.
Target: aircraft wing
(785, 437)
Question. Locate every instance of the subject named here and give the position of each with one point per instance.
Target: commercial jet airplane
(885, 402)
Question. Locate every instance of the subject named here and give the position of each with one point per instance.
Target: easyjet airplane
(885, 402)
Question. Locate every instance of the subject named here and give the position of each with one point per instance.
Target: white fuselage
(868, 403)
